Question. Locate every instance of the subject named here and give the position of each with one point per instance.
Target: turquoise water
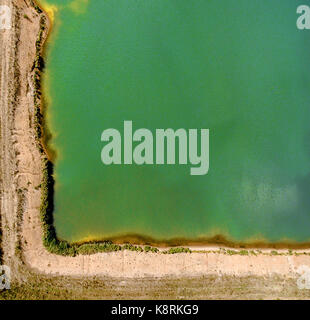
(239, 68)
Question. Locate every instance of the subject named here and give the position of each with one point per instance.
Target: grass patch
(91, 248)
(177, 250)
(150, 249)
(244, 252)
(131, 247)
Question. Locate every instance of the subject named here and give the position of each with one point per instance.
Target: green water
(239, 68)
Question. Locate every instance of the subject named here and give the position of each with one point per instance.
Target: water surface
(239, 68)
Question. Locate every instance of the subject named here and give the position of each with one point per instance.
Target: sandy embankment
(21, 174)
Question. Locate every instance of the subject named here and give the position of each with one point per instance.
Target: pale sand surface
(20, 200)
